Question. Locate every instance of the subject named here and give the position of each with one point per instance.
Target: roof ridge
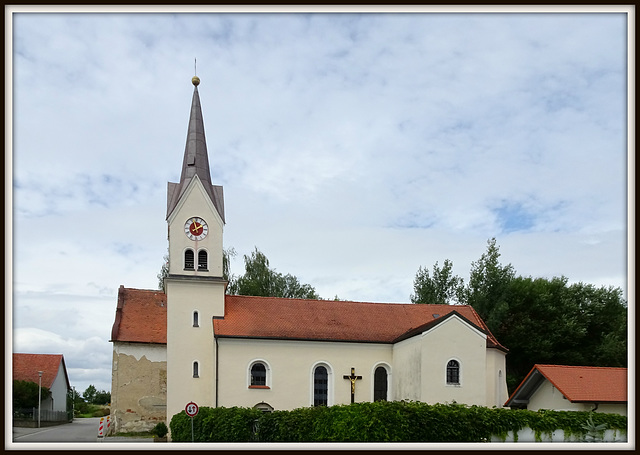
(407, 304)
(159, 291)
(30, 353)
(579, 366)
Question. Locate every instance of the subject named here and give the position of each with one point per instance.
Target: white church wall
(453, 339)
(407, 361)
(496, 378)
(188, 344)
(290, 375)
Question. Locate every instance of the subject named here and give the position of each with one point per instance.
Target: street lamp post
(39, 396)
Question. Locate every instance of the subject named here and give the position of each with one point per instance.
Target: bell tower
(195, 287)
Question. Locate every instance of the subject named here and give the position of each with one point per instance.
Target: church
(195, 343)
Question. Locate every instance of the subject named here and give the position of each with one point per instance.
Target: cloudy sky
(353, 149)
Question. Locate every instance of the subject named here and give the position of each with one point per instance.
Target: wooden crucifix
(353, 378)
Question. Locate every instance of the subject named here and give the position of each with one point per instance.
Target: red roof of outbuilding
(580, 384)
(141, 316)
(26, 367)
(577, 383)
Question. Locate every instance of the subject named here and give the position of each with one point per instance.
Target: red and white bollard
(101, 429)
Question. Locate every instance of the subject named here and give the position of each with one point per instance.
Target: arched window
(188, 259)
(202, 260)
(195, 370)
(320, 386)
(258, 374)
(195, 319)
(380, 384)
(264, 407)
(453, 372)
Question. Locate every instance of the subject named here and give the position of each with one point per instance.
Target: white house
(54, 377)
(572, 388)
(195, 343)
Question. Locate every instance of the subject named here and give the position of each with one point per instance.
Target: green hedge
(216, 425)
(399, 421)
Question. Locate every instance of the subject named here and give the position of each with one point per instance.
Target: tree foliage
(488, 284)
(443, 287)
(89, 394)
(260, 279)
(164, 271)
(25, 394)
(540, 320)
(95, 396)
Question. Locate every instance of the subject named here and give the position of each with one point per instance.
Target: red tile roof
(141, 317)
(579, 384)
(587, 384)
(273, 317)
(26, 367)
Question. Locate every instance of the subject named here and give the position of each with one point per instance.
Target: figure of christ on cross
(353, 378)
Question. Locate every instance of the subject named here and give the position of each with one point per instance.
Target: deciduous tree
(540, 320)
(25, 394)
(442, 288)
(260, 279)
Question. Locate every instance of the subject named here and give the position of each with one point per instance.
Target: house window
(195, 370)
(453, 372)
(380, 384)
(258, 374)
(202, 260)
(188, 260)
(320, 386)
(195, 319)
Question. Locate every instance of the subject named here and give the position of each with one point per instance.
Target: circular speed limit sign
(191, 409)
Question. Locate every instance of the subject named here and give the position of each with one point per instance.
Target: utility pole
(39, 396)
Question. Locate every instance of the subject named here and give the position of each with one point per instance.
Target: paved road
(80, 430)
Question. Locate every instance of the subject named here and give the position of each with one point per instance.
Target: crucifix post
(353, 378)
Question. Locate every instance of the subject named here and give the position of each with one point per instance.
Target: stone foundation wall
(139, 387)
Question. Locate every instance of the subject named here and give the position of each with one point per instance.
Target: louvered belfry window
(188, 260)
(202, 260)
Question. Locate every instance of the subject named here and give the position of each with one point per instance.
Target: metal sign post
(192, 410)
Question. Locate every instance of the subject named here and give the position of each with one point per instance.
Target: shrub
(160, 430)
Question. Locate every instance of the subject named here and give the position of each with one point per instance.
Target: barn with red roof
(572, 388)
(26, 367)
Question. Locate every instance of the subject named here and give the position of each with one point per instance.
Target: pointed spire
(196, 159)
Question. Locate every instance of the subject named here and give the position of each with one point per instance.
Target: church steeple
(195, 161)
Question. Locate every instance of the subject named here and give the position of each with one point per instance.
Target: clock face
(196, 228)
